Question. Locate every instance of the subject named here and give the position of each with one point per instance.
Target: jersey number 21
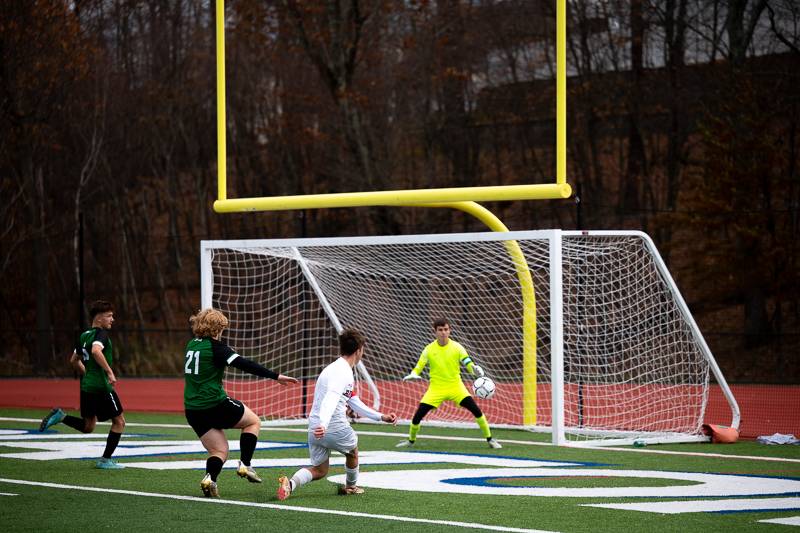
(192, 356)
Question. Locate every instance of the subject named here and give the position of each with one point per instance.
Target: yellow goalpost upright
(461, 198)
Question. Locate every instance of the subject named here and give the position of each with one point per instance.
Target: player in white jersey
(328, 428)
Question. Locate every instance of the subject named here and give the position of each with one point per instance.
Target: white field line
(750, 505)
(791, 521)
(468, 439)
(277, 507)
(37, 422)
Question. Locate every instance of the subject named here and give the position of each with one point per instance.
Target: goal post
(618, 354)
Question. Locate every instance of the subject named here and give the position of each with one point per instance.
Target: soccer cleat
(284, 488)
(348, 491)
(209, 487)
(405, 444)
(108, 464)
(494, 444)
(248, 473)
(53, 417)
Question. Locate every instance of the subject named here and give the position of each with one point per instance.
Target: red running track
(765, 409)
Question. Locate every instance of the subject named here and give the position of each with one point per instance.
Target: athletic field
(451, 481)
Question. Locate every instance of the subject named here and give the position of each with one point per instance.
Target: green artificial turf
(40, 508)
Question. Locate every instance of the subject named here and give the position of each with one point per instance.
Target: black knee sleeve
(469, 403)
(422, 410)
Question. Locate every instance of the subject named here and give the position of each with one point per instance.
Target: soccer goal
(584, 333)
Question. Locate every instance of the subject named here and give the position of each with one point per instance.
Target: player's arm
(100, 358)
(472, 368)
(417, 370)
(225, 355)
(76, 363)
(328, 406)
(251, 367)
(362, 409)
(326, 409)
(338, 385)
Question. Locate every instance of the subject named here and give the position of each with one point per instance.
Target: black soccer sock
(111, 443)
(75, 423)
(214, 466)
(247, 445)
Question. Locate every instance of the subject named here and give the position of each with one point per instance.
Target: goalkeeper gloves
(478, 371)
(411, 376)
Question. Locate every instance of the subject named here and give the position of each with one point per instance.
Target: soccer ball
(483, 387)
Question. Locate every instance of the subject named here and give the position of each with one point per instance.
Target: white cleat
(405, 444)
(209, 487)
(248, 473)
(494, 444)
(349, 491)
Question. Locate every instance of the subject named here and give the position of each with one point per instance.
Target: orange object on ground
(721, 434)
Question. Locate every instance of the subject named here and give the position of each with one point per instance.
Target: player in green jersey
(92, 359)
(445, 357)
(208, 408)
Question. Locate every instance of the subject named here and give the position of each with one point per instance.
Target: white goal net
(617, 354)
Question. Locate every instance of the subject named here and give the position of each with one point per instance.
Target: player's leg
(469, 403)
(58, 416)
(319, 456)
(55, 416)
(205, 423)
(78, 423)
(89, 423)
(351, 474)
(112, 441)
(287, 486)
(216, 444)
(89, 410)
(109, 406)
(250, 425)
(345, 441)
(416, 421)
(428, 403)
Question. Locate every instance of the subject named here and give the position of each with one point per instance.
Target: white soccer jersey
(333, 389)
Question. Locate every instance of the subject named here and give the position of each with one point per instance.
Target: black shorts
(224, 415)
(103, 405)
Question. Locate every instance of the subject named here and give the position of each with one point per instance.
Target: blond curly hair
(208, 323)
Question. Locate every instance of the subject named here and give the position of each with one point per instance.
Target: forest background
(682, 122)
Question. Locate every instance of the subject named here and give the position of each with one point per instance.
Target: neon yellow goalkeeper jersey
(445, 362)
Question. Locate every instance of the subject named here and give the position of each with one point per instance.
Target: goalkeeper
(445, 357)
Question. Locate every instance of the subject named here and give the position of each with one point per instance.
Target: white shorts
(342, 439)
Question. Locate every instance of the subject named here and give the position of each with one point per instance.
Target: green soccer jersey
(206, 359)
(445, 362)
(95, 379)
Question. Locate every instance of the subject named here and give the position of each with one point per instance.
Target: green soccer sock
(412, 432)
(484, 425)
